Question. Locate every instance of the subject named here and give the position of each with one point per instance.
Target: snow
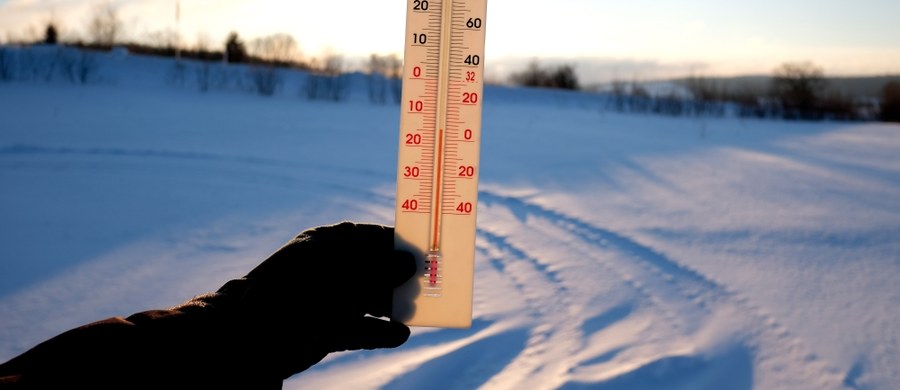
(615, 251)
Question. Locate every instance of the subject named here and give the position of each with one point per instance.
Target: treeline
(700, 100)
(105, 30)
(795, 91)
(262, 65)
(537, 75)
(206, 65)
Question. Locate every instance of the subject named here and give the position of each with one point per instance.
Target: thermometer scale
(437, 177)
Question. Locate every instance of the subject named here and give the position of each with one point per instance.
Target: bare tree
(336, 80)
(203, 47)
(327, 80)
(799, 86)
(640, 99)
(619, 95)
(7, 62)
(31, 35)
(203, 73)
(164, 39)
(395, 73)
(105, 27)
(273, 50)
(706, 96)
(385, 75)
(280, 49)
(78, 66)
(266, 79)
(377, 81)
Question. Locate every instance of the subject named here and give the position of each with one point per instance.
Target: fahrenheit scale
(437, 177)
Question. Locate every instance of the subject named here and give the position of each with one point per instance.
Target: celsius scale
(437, 175)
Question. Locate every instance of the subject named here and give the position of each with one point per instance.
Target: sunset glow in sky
(641, 38)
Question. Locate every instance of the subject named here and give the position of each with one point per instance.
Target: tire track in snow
(547, 300)
(657, 277)
(560, 323)
(603, 247)
(592, 234)
(557, 310)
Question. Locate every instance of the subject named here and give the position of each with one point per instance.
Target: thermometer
(437, 176)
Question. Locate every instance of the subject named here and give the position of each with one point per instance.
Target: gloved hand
(318, 294)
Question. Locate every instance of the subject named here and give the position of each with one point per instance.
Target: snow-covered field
(614, 251)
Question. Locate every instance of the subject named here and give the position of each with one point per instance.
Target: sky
(635, 39)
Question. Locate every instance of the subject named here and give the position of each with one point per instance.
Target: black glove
(318, 294)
